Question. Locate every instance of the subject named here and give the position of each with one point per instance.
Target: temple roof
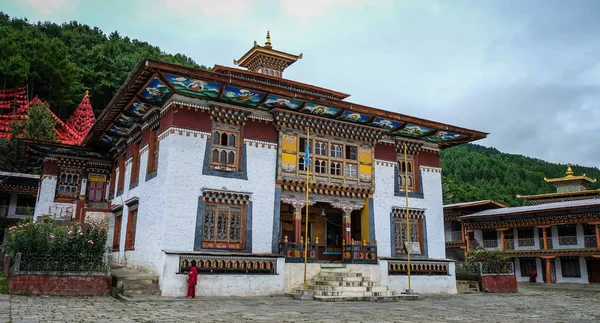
(152, 83)
(82, 120)
(535, 209)
(570, 177)
(253, 54)
(561, 194)
(488, 204)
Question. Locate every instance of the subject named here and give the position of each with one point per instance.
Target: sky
(525, 71)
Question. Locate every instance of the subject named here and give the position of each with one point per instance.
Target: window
(96, 184)
(153, 152)
(527, 266)
(117, 231)
(224, 226)
(567, 235)
(525, 236)
(131, 225)
(336, 168)
(121, 185)
(406, 169)
(320, 166)
(225, 147)
(570, 267)
(135, 163)
(320, 148)
(336, 150)
(113, 183)
(25, 205)
(351, 152)
(351, 170)
(68, 183)
(302, 145)
(416, 244)
(301, 164)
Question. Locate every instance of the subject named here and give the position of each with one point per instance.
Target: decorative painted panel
(384, 123)
(277, 102)
(354, 117)
(126, 121)
(365, 172)
(442, 136)
(194, 87)
(365, 155)
(320, 110)
(288, 162)
(156, 91)
(108, 139)
(138, 108)
(413, 130)
(241, 96)
(288, 143)
(117, 131)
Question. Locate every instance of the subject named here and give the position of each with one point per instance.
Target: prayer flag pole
(407, 222)
(307, 168)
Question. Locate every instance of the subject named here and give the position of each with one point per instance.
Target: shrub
(47, 238)
(491, 261)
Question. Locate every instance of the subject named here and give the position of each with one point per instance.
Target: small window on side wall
(225, 148)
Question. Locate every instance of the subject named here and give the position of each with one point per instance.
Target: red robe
(192, 281)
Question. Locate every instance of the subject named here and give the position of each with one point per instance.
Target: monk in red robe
(192, 280)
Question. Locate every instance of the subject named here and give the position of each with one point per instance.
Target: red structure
(14, 105)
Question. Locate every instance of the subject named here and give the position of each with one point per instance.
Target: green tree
(39, 125)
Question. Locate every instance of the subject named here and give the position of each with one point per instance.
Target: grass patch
(3, 284)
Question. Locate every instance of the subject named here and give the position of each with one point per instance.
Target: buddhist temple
(558, 235)
(215, 166)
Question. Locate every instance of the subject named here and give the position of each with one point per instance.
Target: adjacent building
(211, 166)
(559, 235)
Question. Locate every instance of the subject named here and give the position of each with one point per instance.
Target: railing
(24, 210)
(490, 243)
(474, 270)
(360, 254)
(590, 241)
(467, 271)
(455, 236)
(567, 240)
(548, 241)
(61, 263)
(474, 244)
(509, 244)
(526, 242)
(354, 254)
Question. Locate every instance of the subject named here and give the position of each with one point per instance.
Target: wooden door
(593, 268)
(131, 224)
(117, 232)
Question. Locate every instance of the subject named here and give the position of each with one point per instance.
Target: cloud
(49, 7)
(315, 8)
(215, 9)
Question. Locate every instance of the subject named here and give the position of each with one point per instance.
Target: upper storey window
(68, 183)
(225, 149)
(335, 159)
(406, 173)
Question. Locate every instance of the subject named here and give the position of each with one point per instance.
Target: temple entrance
(331, 232)
(593, 268)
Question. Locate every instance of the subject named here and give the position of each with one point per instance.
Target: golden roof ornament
(268, 41)
(569, 170)
(87, 93)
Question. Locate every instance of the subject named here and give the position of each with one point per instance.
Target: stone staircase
(337, 284)
(128, 283)
(467, 286)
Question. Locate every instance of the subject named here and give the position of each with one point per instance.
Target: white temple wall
(384, 199)
(572, 280)
(420, 284)
(185, 182)
(45, 204)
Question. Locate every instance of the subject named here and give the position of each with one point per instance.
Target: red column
(346, 221)
(297, 223)
(545, 237)
(548, 272)
(598, 236)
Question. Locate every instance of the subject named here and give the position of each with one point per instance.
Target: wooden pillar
(598, 236)
(548, 271)
(346, 226)
(545, 237)
(297, 222)
(502, 238)
(468, 240)
(462, 231)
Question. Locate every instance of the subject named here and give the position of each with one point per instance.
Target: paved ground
(531, 304)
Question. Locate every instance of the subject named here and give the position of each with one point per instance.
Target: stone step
(329, 273)
(348, 288)
(353, 294)
(345, 283)
(393, 298)
(341, 278)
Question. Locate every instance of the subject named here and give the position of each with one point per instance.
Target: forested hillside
(472, 172)
(60, 62)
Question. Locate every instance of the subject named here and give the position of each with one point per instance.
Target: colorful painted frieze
(413, 130)
(354, 117)
(156, 91)
(277, 102)
(320, 110)
(241, 96)
(194, 87)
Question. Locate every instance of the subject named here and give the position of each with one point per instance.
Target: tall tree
(39, 125)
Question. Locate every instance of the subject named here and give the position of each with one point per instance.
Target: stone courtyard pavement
(531, 304)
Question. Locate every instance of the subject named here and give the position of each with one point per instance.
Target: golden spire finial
(87, 93)
(569, 170)
(268, 41)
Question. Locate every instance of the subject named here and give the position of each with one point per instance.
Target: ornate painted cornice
(326, 189)
(412, 147)
(413, 213)
(225, 197)
(228, 114)
(293, 120)
(529, 222)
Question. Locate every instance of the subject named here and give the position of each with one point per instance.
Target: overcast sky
(527, 72)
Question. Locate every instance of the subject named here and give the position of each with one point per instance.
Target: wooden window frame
(113, 182)
(121, 183)
(66, 184)
(566, 261)
(401, 223)
(89, 195)
(327, 152)
(135, 163)
(116, 244)
(153, 152)
(224, 149)
(409, 168)
(210, 232)
(131, 228)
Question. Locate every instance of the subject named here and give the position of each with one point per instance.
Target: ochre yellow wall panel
(365, 155)
(288, 143)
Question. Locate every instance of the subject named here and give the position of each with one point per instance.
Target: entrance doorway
(593, 268)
